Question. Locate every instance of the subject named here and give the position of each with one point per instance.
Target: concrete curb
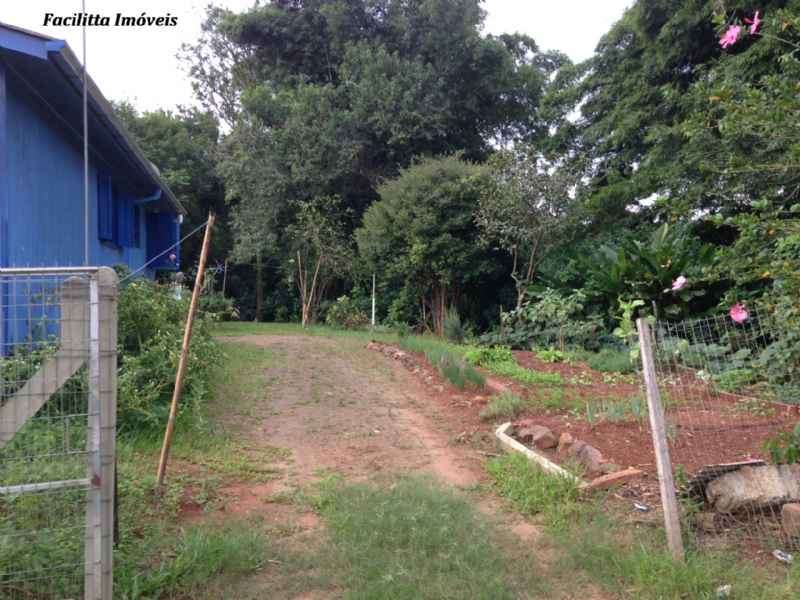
(548, 465)
(585, 487)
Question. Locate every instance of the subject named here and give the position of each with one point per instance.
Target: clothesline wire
(155, 258)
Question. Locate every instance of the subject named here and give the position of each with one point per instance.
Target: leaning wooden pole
(666, 482)
(187, 338)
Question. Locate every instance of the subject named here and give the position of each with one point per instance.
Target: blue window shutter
(136, 235)
(125, 229)
(116, 221)
(105, 211)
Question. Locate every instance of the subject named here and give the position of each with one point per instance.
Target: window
(106, 213)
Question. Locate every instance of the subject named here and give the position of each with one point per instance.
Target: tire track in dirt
(340, 408)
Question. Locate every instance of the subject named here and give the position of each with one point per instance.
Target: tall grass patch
(447, 358)
(504, 406)
(413, 540)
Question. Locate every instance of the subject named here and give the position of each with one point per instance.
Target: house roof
(50, 71)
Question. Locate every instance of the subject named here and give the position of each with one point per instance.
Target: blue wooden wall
(42, 207)
(45, 195)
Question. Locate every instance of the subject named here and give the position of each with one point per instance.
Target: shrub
(453, 327)
(151, 324)
(785, 447)
(506, 405)
(345, 314)
(734, 379)
(218, 307)
(551, 355)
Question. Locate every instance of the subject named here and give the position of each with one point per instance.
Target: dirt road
(334, 406)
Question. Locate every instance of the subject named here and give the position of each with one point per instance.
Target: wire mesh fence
(57, 407)
(730, 394)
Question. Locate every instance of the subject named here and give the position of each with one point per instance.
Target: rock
(790, 519)
(724, 592)
(565, 441)
(373, 346)
(706, 522)
(609, 467)
(754, 488)
(541, 437)
(590, 457)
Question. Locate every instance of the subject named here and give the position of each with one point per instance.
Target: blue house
(133, 218)
(133, 215)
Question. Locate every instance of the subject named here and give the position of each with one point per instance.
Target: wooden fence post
(669, 499)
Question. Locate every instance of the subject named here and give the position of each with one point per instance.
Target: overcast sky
(139, 64)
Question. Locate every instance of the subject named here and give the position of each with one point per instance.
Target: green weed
(500, 361)
(200, 556)
(447, 358)
(616, 410)
(506, 405)
(607, 360)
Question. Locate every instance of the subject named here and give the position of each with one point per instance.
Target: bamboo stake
(225, 278)
(187, 338)
(373, 300)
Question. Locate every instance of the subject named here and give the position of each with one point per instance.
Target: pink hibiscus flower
(679, 283)
(754, 23)
(739, 313)
(731, 36)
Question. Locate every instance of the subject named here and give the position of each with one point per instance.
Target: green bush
(151, 325)
(785, 447)
(218, 307)
(345, 314)
(453, 327)
(734, 379)
(551, 355)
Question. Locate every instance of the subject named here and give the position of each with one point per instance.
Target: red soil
(706, 427)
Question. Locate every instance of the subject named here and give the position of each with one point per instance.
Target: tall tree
(331, 97)
(420, 237)
(527, 210)
(183, 145)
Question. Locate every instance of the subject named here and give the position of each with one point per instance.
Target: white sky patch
(140, 64)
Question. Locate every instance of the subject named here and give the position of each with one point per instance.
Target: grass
(506, 406)
(157, 555)
(199, 556)
(607, 360)
(236, 328)
(616, 410)
(556, 398)
(500, 361)
(446, 357)
(415, 540)
(623, 559)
